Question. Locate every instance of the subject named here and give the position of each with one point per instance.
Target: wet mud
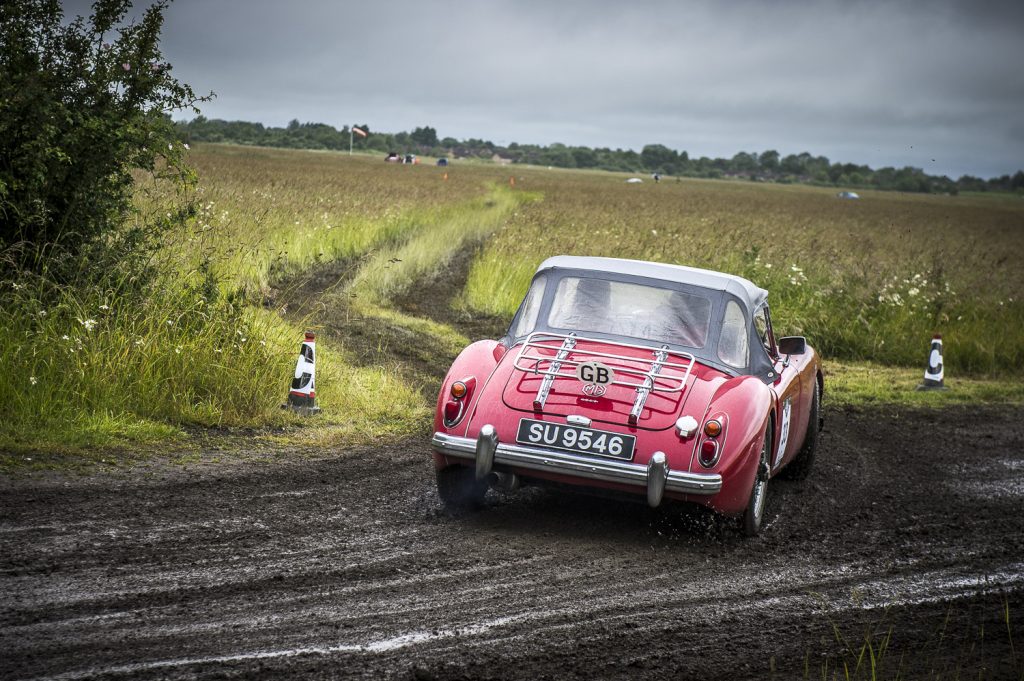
(346, 565)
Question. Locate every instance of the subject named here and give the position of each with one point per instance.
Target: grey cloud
(855, 81)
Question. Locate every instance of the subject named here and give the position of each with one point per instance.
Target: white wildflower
(33, 380)
(104, 307)
(88, 323)
(913, 291)
(65, 337)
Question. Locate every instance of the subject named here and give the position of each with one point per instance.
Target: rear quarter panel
(744, 404)
(477, 361)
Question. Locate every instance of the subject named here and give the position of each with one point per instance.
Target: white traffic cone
(302, 396)
(934, 372)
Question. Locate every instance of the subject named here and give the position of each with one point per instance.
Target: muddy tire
(753, 516)
(800, 467)
(459, 489)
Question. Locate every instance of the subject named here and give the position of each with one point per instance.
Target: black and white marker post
(933, 374)
(302, 396)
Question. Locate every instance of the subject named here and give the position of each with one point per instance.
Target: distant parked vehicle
(848, 195)
(410, 158)
(653, 380)
(393, 157)
(442, 162)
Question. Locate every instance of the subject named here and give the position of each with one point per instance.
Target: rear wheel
(753, 517)
(459, 489)
(800, 467)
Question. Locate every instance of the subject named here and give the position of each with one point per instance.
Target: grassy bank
(208, 346)
(864, 280)
(213, 343)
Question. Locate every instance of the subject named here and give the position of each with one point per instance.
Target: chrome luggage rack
(568, 357)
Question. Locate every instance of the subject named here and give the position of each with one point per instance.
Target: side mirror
(792, 345)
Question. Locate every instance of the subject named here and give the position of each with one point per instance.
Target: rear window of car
(630, 309)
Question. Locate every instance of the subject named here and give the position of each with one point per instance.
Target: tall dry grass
(89, 367)
(863, 280)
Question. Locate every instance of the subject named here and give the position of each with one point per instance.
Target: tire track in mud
(348, 567)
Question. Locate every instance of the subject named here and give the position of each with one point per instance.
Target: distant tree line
(766, 166)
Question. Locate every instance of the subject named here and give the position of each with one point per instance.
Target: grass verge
(866, 282)
(95, 368)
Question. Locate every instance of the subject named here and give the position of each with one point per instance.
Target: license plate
(575, 439)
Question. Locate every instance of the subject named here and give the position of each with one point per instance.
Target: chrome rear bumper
(656, 478)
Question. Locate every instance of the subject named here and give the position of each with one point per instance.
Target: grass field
(864, 280)
(209, 346)
(867, 281)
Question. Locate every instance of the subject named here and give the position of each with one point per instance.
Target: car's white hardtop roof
(743, 289)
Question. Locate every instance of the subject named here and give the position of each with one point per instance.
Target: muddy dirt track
(345, 565)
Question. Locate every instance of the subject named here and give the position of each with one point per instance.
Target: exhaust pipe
(504, 482)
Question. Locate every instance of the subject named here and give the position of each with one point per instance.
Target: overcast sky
(937, 85)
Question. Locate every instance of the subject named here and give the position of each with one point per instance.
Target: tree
(796, 164)
(769, 161)
(584, 156)
(1017, 181)
(77, 115)
(425, 136)
(743, 162)
(658, 158)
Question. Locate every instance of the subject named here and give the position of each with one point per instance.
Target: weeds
(867, 282)
(957, 649)
(871, 281)
(103, 364)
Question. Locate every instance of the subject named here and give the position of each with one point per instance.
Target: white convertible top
(743, 289)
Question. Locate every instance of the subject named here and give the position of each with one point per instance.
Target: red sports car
(657, 380)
